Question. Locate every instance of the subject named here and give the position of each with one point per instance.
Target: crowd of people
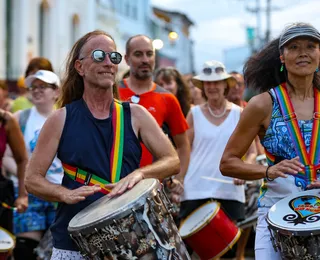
(196, 134)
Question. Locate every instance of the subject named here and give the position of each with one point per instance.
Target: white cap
(44, 75)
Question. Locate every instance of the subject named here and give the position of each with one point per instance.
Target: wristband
(267, 177)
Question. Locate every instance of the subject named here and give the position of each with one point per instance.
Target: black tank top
(86, 143)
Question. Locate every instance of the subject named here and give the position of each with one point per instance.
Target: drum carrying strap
(116, 155)
(309, 159)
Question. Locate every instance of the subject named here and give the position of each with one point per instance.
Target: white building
(49, 28)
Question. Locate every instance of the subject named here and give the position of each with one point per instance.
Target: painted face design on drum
(305, 206)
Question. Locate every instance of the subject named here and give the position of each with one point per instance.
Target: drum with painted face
(7, 243)
(209, 232)
(135, 225)
(294, 224)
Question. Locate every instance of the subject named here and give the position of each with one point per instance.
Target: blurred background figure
(23, 101)
(170, 79)
(30, 226)
(196, 95)
(235, 94)
(10, 136)
(210, 126)
(6, 101)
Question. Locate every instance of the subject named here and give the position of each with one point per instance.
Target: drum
(208, 231)
(294, 224)
(135, 225)
(7, 243)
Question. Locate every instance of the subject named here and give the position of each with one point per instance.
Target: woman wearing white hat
(210, 126)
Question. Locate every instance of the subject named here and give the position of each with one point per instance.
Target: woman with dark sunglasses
(286, 69)
(210, 126)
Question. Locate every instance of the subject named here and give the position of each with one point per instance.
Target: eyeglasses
(208, 71)
(42, 87)
(100, 56)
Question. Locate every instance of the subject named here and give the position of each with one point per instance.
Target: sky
(221, 24)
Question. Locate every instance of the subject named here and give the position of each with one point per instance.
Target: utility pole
(258, 12)
(268, 21)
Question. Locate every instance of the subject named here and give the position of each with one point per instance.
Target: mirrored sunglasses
(100, 56)
(209, 71)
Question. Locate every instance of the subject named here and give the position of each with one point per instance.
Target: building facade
(49, 28)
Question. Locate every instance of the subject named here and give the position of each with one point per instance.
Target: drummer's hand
(124, 184)
(79, 194)
(280, 169)
(21, 203)
(176, 186)
(314, 185)
(238, 181)
(176, 189)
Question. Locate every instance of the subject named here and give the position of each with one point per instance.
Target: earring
(281, 68)
(317, 69)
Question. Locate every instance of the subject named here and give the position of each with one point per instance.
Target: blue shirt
(86, 143)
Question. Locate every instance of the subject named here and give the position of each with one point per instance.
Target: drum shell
(141, 227)
(215, 237)
(10, 239)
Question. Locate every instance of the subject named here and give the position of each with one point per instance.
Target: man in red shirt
(139, 88)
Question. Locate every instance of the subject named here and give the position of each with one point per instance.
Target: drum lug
(273, 240)
(166, 200)
(139, 223)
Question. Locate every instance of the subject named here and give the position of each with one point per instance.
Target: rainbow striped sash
(116, 155)
(310, 160)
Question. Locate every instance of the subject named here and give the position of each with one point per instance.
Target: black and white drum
(135, 225)
(294, 224)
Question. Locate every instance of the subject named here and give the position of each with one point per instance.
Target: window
(127, 9)
(43, 27)
(134, 12)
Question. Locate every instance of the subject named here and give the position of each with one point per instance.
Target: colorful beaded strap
(310, 160)
(116, 155)
(85, 177)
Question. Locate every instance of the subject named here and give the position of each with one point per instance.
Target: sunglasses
(42, 87)
(208, 71)
(100, 56)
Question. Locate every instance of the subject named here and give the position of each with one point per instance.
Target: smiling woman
(284, 116)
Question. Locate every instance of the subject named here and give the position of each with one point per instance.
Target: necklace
(215, 115)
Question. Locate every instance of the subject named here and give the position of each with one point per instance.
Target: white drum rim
(291, 230)
(204, 223)
(13, 240)
(120, 213)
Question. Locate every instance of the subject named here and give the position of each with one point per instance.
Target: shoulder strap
(23, 118)
(118, 140)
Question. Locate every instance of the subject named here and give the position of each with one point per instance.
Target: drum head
(106, 209)
(298, 213)
(6, 240)
(198, 218)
